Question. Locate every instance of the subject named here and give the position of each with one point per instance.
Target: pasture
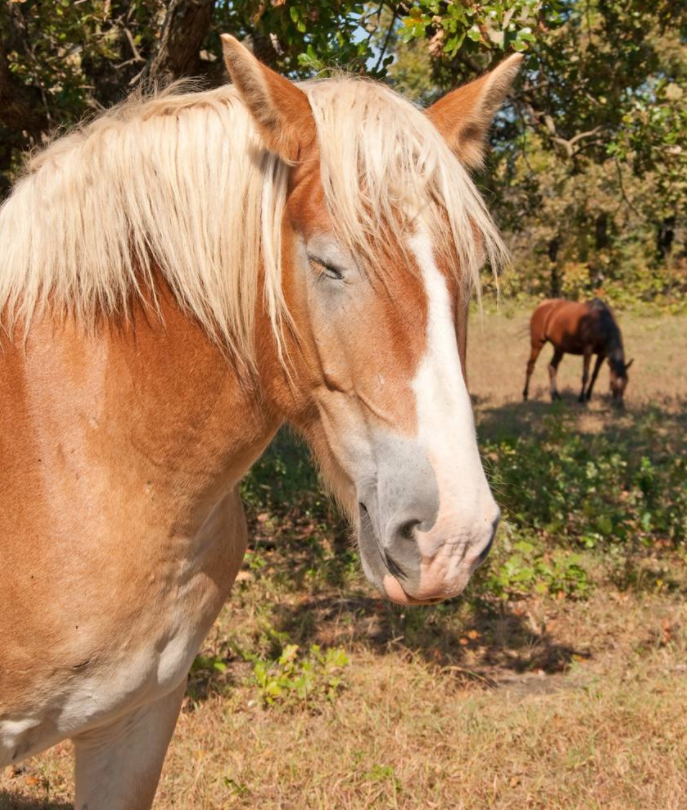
(557, 682)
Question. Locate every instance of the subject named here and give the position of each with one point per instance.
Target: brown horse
(177, 280)
(579, 328)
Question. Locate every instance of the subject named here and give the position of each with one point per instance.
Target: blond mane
(182, 184)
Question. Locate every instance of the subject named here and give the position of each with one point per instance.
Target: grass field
(557, 683)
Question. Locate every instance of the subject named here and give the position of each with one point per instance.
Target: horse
(178, 279)
(584, 328)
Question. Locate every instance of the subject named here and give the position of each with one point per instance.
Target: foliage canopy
(588, 175)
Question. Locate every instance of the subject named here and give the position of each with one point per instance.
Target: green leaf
(474, 33)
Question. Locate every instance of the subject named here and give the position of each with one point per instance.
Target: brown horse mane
(615, 350)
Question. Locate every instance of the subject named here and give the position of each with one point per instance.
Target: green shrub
(293, 678)
(528, 570)
(561, 491)
(589, 490)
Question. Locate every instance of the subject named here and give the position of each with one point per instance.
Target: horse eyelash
(335, 272)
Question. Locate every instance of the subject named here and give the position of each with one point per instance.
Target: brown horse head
(379, 213)
(619, 380)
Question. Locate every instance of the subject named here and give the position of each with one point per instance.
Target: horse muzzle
(414, 562)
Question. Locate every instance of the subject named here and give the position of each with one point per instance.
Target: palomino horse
(178, 279)
(579, 328)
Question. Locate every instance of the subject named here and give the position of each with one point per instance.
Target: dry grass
(544, 703)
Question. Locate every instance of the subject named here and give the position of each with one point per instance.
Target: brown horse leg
(536, 348)
(553, 368)
(595, 374)
(586, 360)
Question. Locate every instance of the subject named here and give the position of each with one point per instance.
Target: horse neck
(220, 420)
(614, 347)
(162, 409)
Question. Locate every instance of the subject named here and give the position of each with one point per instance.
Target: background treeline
(588, 177)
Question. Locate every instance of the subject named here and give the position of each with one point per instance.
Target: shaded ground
(494, 725)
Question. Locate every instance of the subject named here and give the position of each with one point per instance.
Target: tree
(589, 169)
(588, 175)
(60, 60)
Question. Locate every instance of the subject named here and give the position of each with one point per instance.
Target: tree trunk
(553, 248)
(22, 115)
(665, 238)
(186, 25)
(602, 240)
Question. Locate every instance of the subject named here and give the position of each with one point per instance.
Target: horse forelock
(181, 182)
(403, 171)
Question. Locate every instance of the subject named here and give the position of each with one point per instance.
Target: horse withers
(177, 280)
(585, 328)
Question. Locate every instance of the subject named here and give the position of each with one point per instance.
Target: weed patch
(586, 491)
(527, 569)
(295, 678)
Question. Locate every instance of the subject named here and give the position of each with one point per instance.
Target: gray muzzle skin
(399, 506)
(402, 497)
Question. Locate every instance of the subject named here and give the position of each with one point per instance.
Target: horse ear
(629, 364)
(281, 110)
(464, 115)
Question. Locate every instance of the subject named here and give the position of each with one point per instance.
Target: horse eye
(328, 269)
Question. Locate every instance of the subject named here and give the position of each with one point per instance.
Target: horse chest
(89, 694)
(136, 646)
(141, 666)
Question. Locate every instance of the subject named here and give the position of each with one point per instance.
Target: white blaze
(446, 431)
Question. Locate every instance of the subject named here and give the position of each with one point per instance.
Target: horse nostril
(401, 556)
(485, 551)
(406, 531)
(393, 566)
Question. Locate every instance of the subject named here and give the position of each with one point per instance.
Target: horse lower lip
(394, 591)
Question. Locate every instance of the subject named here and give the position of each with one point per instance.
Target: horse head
(619, 381)
(383, 234)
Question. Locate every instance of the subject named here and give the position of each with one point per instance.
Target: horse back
(573, 327)
(553, 317)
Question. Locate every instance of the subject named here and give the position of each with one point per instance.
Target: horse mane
(613, 337)
(181, 184)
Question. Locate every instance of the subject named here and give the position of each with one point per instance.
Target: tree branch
(387, 39)
(545, 121)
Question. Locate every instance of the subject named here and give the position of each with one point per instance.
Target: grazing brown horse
(177, 280)
(579, 328)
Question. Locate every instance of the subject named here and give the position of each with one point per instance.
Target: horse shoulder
(107, 656)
